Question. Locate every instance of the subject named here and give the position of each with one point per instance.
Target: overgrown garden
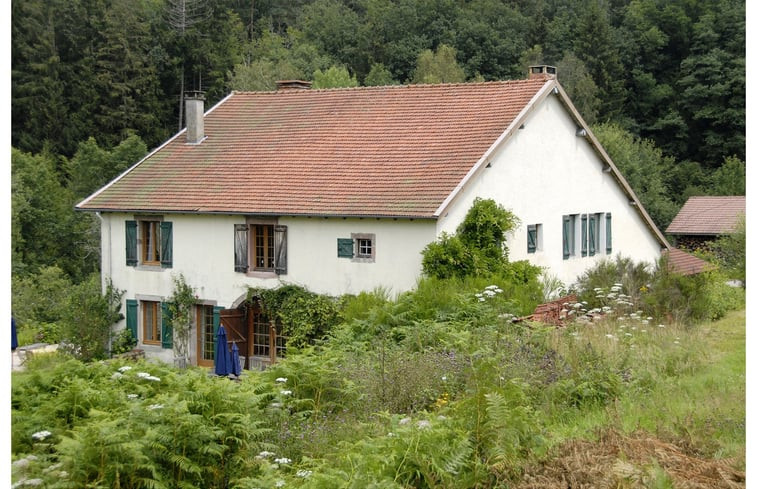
(443, 386)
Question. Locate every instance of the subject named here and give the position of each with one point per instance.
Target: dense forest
(97, 83)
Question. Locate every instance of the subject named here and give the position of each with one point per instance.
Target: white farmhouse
(340, 190)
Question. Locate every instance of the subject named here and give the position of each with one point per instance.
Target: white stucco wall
(203, 251)
(544, 172)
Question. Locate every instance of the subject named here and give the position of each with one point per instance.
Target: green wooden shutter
(280, 249)
(216, 319)
(531, 238)
(131, 317)
(166, 244)
(166, 331)
(241, 247)
(583, 234)
(566, 237)
(131, 243)
(608, 232)
(593, 220)
(344, 248)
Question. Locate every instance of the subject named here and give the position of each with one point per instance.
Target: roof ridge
(411, 86)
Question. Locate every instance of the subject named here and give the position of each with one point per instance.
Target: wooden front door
(234, 321)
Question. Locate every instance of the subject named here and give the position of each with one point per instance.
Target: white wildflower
(649, 318)
(124, 368)
(608, 335)
(598, 289)
(116, 375)
(265, 454)
(155, 406)
(660, 325)
(481, 299)
(286, 392)
(497, 290)
(282, 460)
(280, 483)
(52, 467)
(423, 424)
(143, 375)
(491, 287)
(62, 474)
(676, 342)
(643, 330)
(444, 378)
(152, 378)
(304, 473)
(405, 421)
(490, 293)
(22, 462)
(132, 396)
(281, 380)
(629, 334)
(33, 482)
(41, 435)
(276, 404)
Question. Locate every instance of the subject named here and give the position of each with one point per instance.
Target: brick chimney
(195, 117)
(542, 71)
(292, 85)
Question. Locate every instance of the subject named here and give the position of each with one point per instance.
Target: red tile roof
(685, 263)
(372, 151)
(708, 215)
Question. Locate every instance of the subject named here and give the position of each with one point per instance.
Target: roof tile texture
(708, 215)
(372, 151)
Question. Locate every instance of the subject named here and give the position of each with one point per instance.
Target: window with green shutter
(344, 248)
(568, 236)
(583, 234)
(532, 237)
(166, 333)
(131, 243)
(593, 234)
(166, 244)
(608, 232)
(132, 316)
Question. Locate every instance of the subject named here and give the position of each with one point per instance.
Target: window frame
(148, 241)
(156, 327)
(361, 257)
(275, 244)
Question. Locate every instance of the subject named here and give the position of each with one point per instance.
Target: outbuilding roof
(708, 215)
(395, 151)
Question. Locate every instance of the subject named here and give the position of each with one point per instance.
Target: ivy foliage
(303, 315)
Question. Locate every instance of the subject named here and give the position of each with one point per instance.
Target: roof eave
(595, 144)
(261, 214)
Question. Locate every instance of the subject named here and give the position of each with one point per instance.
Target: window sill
(262, 274)
(150, 268)
(153, 343)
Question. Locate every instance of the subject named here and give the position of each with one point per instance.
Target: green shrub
(479, 246)
(88, 318)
